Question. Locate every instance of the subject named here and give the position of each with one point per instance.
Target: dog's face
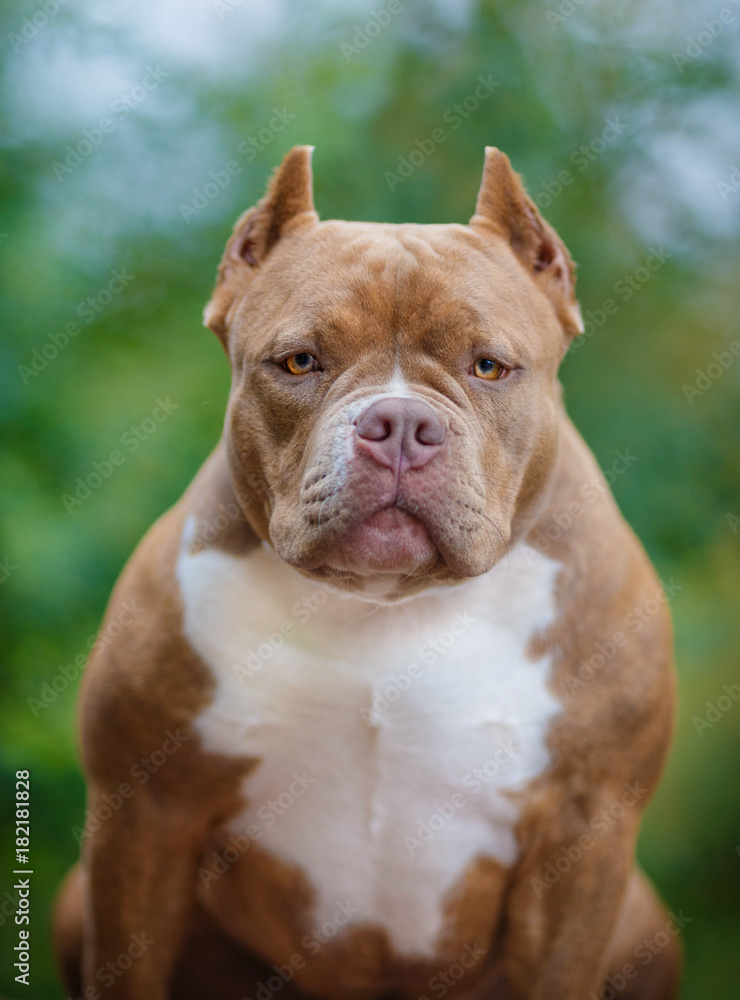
(394, 408)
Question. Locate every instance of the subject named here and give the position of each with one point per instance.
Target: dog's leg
(68, 930)
(211, 965)
(141, 865)
(645, 958)
(558, 930)
(155, 796)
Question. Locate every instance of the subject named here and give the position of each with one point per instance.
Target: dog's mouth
(389, 541)
(420, 528)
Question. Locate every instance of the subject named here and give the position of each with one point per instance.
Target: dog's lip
(388, 540)
(391, 518)
(328, 553)
(329, 557)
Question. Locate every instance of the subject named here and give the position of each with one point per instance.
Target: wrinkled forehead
(391, 286)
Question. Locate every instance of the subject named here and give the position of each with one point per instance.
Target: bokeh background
(623, 119)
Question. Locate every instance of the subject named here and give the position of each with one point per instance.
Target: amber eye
(488, 369)
(300, 364)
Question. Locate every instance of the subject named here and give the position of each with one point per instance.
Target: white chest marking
(388, 736)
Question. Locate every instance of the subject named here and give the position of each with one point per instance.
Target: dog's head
(394, 408)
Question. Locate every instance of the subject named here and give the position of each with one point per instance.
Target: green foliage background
(654, 185)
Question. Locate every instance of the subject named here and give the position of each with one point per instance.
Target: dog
(382, 727)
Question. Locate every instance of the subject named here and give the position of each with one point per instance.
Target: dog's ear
(288, 204)
(504, 207)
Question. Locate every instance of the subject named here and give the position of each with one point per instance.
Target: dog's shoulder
(612, 641)
(143, 679)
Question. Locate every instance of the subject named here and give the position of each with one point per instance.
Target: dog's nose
(398, 432)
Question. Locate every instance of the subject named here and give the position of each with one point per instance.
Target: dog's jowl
(364, 621)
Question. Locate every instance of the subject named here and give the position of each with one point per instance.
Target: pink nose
(399, 432)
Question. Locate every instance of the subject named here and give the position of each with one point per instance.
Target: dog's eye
(488, 369)
(300, 364)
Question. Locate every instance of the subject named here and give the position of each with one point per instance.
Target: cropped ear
(505, 207)
(288, 204)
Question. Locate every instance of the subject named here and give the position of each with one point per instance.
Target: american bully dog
(382, 727)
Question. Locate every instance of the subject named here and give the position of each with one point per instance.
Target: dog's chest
(392, 740)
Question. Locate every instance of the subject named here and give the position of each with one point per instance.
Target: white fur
(379, 762)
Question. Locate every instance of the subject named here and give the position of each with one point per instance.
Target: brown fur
(369, 298)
